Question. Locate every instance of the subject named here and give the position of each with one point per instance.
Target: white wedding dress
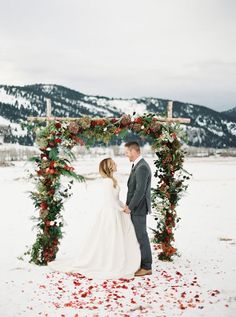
(106, 243)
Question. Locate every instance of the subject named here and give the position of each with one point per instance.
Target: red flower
(47, 223)
(58, 140)
(43, 155)
(57, 125)
(114, 120)
(43, 205)
(51, 192)
(55, 242)
(138, 120)
(40, 172)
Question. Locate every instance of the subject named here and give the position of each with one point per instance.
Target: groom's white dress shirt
(137, 160)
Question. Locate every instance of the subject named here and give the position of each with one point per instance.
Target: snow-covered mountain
(231, 113)
(208, 128)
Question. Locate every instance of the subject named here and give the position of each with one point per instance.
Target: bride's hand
(127, 210)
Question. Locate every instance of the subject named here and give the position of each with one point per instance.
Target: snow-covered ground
(200, 282)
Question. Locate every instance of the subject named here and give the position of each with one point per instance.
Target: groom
(138, 203)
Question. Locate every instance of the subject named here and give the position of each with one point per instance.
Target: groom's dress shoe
(142, 272)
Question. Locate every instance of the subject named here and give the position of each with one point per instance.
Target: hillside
(208, 128)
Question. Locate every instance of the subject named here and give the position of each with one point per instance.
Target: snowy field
(200, 282)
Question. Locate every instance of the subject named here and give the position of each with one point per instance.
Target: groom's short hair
(133, 146)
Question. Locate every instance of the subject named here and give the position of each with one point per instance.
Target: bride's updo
(106, 169)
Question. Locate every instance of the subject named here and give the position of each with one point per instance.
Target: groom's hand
(127, 210)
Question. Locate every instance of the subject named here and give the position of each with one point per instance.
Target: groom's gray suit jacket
(139, 189)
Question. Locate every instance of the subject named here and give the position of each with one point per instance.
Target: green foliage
(53, 154)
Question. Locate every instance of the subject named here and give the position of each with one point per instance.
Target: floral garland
(55, 142)
(171, 185)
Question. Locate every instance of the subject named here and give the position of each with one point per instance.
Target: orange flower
(168, 250)
(68, 168)
(117, 131)
(52, 171)
(100, 122)
(78, 140)
(52, 163)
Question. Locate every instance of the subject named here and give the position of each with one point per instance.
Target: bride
(107, 247)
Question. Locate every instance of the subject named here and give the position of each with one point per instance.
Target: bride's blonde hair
(106, 170)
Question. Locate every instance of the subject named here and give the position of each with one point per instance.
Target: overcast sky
(175, 49)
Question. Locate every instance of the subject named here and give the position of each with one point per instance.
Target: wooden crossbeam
(163, 119)
(49, 116)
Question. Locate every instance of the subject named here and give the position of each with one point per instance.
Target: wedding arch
(59, 135)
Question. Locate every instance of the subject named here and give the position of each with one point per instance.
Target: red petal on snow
(178, 273)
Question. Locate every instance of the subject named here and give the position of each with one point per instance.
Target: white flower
(142, 127)
(48, 149)
(44, 158)
(132, 119)
(52, 223)
(105, 129)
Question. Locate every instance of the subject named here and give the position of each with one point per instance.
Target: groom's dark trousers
(139, 202)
